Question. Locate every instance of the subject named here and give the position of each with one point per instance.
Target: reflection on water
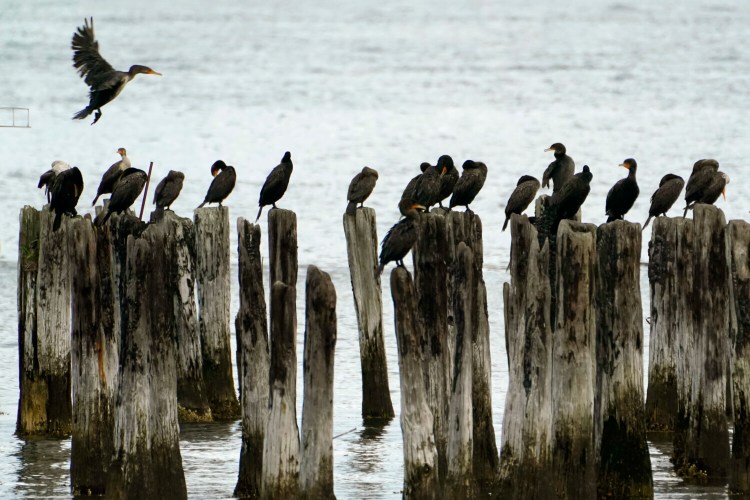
(43, 467)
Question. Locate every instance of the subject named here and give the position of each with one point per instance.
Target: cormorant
(427, 188)
(48, 178)
(524, 194)
(468, 185)
(663, 198)
(565, 203)
(112, 175)
(448, 179)
(622, 196)
(223, 183)
(715, 188)
(360, 188)
(276, 183)
(104, 81)
(409, 189)
(66, 188)
(168, 190)
(126, 191)
(401, 237)
(701, 176)
(559, 170)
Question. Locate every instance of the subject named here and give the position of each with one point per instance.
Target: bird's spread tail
(351, 208)
(259, 211)
(647, 221)
(201, 205)
(94, 202)
(83, 113)
(505, 225)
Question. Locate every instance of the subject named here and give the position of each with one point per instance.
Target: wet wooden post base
(420, 454)
(146, 459)
(362, 250)
(281, 446)
(573, 457)
(282, 246)
(214, 298)
(316, 460)
(739, 252)
(252, 359)
(525, 460)
(623, 461)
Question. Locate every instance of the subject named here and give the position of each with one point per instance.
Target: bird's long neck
(631, 173)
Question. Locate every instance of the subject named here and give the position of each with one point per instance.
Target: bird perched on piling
(168, 190)
(448, 178)
(224, 179)
(427, 188)
(623, 194)
(105, 83)
(360, 188)
(402, 236)
(703, 173)
(112, 175)
(559, 170)
(717, 187)
(663, 198)
(125, 192)
(276, 183)
(469, 184)
(48, 178)
(409, 189)
(525, 191)
(565, 203)
(65, 189)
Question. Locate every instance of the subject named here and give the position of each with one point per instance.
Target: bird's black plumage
(469, 184)
(522, 196)
(105, 83)
(276, 183)
(448, 178)
(560, 170)
(47, 179)
(565, 203)
(168, 189)
(663, 198)
(623, 194)
(112, 175)
(700, 178)
(401, 237)
(65, 190)
(360, 188)
(409, 189)
(125, 192)
(427, 187)
(715, 188)
(225, 178)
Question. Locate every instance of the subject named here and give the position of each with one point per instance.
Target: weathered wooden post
(430, 255)
(281, 446)
(739, 252)
(623, 461)
(420, 454)
(525, 460)
(362, 250)
(252, 359)
(573, 454)
(316, 461)
(212, 263)
(146, 459)
(459, 474)
(282, 245)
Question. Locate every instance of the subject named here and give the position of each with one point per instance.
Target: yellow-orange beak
(724, 193)
(445, 169)
(626, 165)
(548, 149)
(418, 206)
(152, 72)
(214, 172)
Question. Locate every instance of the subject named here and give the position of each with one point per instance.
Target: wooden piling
(252, 359)
(316, 461)
(362, 250)
(214, 298)
(739, 252)
(525, 460)
(573, 456)
(282, 245)
(281, 445)
(420, 454)
(623, 460)
(146, 459)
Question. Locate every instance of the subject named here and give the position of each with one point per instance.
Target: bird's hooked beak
(152, 72)
(419, 207)
(626, 165)
(445, 169)
(549, 149)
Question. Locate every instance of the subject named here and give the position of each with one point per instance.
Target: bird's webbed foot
(97, 115)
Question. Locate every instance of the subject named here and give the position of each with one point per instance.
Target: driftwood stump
(282, 246)
(252, 359)
(316, 460)
(362, 250)
(623, 461)
(212, 262)
(420, 454)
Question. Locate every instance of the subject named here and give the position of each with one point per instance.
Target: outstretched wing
(86, 58)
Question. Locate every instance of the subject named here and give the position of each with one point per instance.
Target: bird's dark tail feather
(201, 205)
(58, 221)
(351, 208)
(259, 212)
(381, 266)
(83, 113)
(102, 218)
(94, 202)
(505, 225)
(684, 214)
(647, 221)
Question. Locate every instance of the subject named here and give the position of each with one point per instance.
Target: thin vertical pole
(145, 190)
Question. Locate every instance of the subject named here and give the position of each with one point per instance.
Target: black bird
(65, 189)
(104, 81)
(409, 189)
(701, 176)
(222, 185)
(448, 178)
(276, 183)
(401, 237)
(126, 191)
(621, 197)
(48, 178)
(663, 198)
(427, 188)
(112, 175)
(715, 188)
(565, 203)
(468, 185)
(360, 188)
(168, 190)
(559, 170)
(524, 194)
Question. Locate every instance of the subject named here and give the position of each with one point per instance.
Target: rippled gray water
(344, 84)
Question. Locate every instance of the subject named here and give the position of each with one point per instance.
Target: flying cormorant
(112, 175)
(276, 183)
(621, 197)
(663, 198)
(402, 236)
(66, 188)
(126, 191)
(559, 170)
(48, 177)
(223, 183)
(104, 81)
(168, 190)
(448, 179)
(524, 194)
(360, 188)
(468, 185)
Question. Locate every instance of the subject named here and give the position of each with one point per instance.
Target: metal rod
(145, 190)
